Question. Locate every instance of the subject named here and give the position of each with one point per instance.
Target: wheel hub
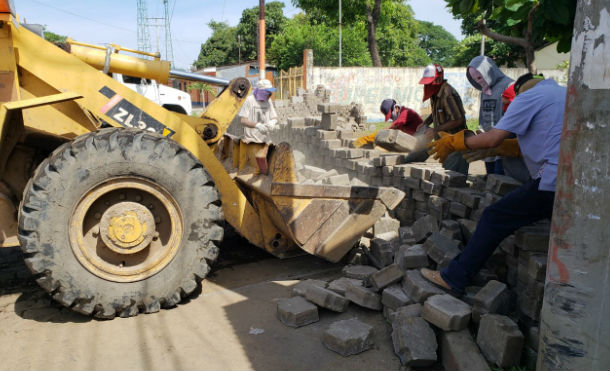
(127, 227)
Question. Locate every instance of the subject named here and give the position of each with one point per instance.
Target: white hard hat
(265, 84)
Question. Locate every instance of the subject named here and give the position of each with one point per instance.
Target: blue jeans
(519, 208)
(494, 167)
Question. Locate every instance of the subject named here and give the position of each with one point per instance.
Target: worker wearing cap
(448, 113)
(403, 118)
(258, 114)
(536, 118)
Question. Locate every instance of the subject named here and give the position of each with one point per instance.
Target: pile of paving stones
(496, 322)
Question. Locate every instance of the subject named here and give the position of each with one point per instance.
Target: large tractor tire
(119, 222)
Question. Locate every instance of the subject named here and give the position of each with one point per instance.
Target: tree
(438, 43)
(53, 37)
(526, 23)
(353, 11)
(303, 32)
(502, 53)
(222, 47)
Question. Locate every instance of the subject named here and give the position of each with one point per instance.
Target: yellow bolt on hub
(127, 227)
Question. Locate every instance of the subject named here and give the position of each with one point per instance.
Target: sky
(113, 21)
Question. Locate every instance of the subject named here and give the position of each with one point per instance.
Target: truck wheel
(119, 222)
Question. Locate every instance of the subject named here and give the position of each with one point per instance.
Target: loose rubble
(495, 323)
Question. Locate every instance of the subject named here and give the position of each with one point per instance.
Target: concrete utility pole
(575, 329)
(261, 39)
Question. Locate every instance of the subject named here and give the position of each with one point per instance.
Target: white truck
(167, 97)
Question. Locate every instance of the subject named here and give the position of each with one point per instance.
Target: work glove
(271, 124)
(508, 148)
(261, 127)
(447, 144)
(364, 140)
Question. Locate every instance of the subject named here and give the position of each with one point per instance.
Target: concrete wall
(369, 86)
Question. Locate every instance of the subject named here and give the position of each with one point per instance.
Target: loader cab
(167, 97)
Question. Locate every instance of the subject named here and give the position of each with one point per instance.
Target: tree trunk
(371, 18)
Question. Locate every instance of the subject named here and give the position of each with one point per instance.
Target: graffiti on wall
(369, 86)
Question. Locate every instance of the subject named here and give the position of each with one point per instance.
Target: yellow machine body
(49, 96)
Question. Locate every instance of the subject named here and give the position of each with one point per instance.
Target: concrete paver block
(296, 312)
(386, 224)
(460, 353)
(301, 287)
(501, 184)
(385, 277)
(410, 257)
(340, 284)
(468, 226)
(381, 250)
(363, 297)
(395, 297)
(492, 298)
(411, 310)
(417, 287)
(500, 340)
(414, 341)
(447, 312)
(341, 179)
(348, 337)
(440, 248)
(359, 272)
(423, 227)
(396, 141)
(326, 299)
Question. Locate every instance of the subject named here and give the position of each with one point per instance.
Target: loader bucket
(323, 220)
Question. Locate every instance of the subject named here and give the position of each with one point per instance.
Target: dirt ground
(230, 324)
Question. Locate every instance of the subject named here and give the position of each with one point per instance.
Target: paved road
(230, 325)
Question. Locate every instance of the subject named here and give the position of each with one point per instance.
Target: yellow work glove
(364, 140)
(447, 144)
(508, 148)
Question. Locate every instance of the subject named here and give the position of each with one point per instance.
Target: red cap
(431, 73)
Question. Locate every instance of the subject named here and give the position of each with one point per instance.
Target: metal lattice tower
(143, 36)
(169, 48)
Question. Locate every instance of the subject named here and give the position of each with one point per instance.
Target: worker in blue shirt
(536, 118)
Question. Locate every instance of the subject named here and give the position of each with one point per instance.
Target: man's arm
(490, 139)
(248, 123)
(451, 124)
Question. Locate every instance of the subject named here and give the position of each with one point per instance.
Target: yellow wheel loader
(118, 204)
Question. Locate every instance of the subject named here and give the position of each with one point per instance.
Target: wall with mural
(369, 86)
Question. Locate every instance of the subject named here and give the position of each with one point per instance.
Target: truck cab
(167, 97)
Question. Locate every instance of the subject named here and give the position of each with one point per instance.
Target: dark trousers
(494, 167)
(519, 208)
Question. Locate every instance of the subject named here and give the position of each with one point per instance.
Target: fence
(288, 82)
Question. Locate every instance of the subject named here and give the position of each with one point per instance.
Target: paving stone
(411, 310)
(500, 340)
(341, 179)
(508, 245)
(492, 298)
(406, 235)
(423, 227)
(412, 183)
(340, 284)
(363, 297)
(438, 207)
(532, 337)
(446, 312)
(386, 224)
(409, 257)
(326, 298)
(396, 140)
(459, 209)
(328, 108)
(448, 178)
(296, 122)
(440, 248)
(460, 353)
(327, 134)
(388, 160)
(530, 306)
(533, 238)
(385, 277)
(348, 337)
(382, 251)
(501, 184)
(469, 293)
(301, 287)
(419, 195)
(468, 228)
(395, 297)
(414, 341)
(296, 312)
(451, 229)
(417, 287)
(430, 187)
(329, 121)
(359, 272)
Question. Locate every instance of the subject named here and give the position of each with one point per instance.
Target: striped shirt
(446, 106)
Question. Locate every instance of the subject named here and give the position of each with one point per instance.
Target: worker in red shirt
(403, 118)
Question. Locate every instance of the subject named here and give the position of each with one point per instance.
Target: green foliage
(53, 37)
(222, 47)
(203, 87)
(437, 42)
(302, 32)
(503, 54)
(552, 20)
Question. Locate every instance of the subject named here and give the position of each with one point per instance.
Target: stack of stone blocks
(496, 322)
